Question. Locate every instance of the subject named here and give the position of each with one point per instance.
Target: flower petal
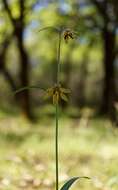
(64, 97)
(65, 90)
(50, 91)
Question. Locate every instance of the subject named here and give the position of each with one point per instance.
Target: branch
(5, 44)
(9, 78)
(6, 6)
(22, 9)
(3, 68)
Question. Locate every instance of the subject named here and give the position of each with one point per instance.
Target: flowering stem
(56, 148)
(57, 115)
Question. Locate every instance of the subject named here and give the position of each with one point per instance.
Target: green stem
(56, 148)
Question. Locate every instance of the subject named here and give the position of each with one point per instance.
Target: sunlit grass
(27, 153)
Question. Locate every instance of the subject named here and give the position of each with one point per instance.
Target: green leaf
(49, 27)
(27, 88)
(69, 183)
(64, 97)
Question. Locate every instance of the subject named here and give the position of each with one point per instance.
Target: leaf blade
(27, 88)
(49, 27)
(70, 182)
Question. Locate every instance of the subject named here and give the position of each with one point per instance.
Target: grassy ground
(87, 147)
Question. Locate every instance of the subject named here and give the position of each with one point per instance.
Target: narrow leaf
(64, 97)
(70, 182)
(27, 88)
(49, 27)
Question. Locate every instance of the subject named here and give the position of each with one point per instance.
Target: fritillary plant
(57, 92)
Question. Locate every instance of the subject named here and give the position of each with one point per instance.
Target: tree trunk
(24, 76)
(18, 27)
(109, 90)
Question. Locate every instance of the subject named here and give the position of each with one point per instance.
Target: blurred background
(89, 67)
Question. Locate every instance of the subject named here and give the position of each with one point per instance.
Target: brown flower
(68, 34)
(57, 93)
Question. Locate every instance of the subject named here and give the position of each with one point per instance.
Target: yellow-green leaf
(64, 97)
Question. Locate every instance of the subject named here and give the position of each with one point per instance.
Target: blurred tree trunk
(109, 43)
(24, 74)
(24, 61)
(109, 91)
(18, 27)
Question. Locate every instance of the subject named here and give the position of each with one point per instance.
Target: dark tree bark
(18, 27)
(109, 43)
(24, 61)
(24, 76)
(109, 91)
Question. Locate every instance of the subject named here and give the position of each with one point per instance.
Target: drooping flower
(57, 92)
(68, 34)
